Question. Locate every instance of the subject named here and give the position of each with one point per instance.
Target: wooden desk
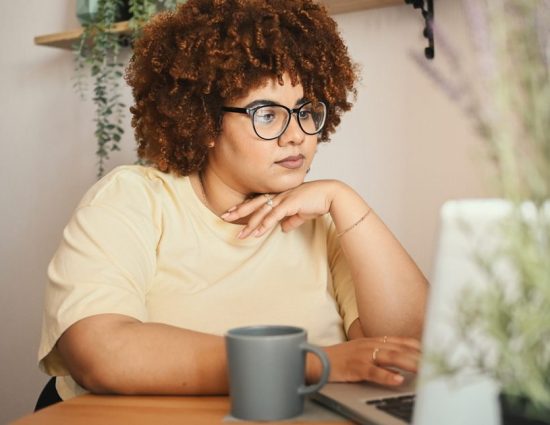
(146, 410)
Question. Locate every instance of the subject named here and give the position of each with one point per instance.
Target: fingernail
(256, 233)
(244, 233)
(398, 378)
(231, 209)
(225, 215)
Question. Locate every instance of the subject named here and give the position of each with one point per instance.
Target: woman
(158, 262)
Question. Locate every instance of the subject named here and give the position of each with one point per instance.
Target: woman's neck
(215, 194)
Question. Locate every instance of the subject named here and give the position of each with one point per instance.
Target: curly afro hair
(190, 62)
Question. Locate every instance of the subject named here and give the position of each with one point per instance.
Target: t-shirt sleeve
(342, 281)
(105, 261)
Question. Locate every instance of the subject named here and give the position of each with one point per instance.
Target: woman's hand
(369, 359)
(291, 208)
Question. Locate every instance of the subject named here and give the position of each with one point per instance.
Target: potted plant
(98, 53)
(511, 110)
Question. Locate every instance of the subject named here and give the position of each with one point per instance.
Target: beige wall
(404, 147)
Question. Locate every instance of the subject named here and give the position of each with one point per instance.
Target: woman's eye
(265, 116)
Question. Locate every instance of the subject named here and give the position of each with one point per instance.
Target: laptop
(466, 227)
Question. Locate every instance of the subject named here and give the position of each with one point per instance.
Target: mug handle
(309, 389)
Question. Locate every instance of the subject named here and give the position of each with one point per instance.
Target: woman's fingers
(384, 376)
(263, 219)
(259, 224)
(290, 208)
(381, 359)
(292, 222)
(264, 212)
(249, 206)
(256, 209)
(390, 357)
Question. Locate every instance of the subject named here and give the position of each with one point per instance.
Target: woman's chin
(286, 184)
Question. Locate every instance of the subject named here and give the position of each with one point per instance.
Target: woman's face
(249, 164)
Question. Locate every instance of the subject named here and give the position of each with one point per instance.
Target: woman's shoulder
(131, 182)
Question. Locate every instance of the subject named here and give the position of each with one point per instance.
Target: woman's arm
(116, 354)
(390, 289)
(111, 353)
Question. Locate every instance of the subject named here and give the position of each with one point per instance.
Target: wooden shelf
(345, 6)
(66, 40)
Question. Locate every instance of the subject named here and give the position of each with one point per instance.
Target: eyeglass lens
(271, 121)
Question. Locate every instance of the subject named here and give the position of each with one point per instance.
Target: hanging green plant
(97, 52)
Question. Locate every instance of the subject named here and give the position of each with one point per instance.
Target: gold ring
(374, 353)
(385, 339)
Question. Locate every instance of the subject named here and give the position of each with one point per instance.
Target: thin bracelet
(354, 224)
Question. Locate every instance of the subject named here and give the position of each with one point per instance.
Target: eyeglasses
(270, 121)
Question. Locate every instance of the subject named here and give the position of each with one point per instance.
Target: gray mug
(267, 371)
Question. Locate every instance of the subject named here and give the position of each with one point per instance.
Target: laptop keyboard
(400, 407)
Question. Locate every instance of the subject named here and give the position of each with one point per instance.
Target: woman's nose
(293, 133)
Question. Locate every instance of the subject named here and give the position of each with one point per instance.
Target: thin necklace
(205, 199)
(203, 192)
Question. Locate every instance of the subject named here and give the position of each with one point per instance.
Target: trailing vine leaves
(98, 51)
(141, 11)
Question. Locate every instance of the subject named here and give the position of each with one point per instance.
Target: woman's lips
(291, 162)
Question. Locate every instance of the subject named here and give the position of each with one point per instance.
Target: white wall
(404, 147)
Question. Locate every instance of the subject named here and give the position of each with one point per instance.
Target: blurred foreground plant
(509, 104)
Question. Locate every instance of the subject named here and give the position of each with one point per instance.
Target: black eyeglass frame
(251, 111)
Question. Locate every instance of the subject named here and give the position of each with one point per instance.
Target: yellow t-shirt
(142, 244)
